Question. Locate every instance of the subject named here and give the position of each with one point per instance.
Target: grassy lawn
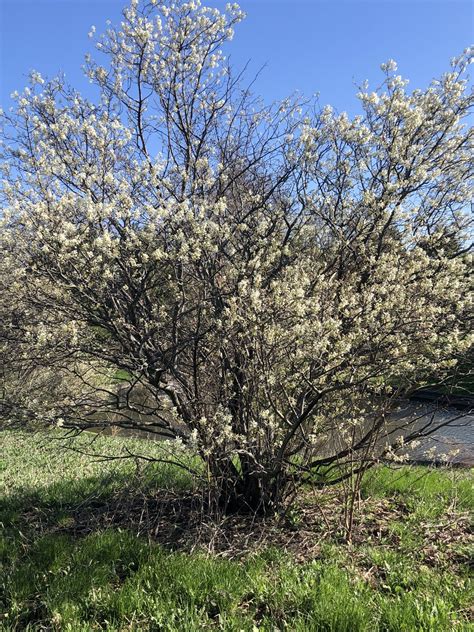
(118, 546)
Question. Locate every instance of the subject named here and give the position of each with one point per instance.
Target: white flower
(35, 77)
(389, 66)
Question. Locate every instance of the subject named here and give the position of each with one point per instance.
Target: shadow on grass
(396, 507)
(97, 503)
(73, 561)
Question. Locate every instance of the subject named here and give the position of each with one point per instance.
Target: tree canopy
(261, 283)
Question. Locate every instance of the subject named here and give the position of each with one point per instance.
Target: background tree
(266, 281)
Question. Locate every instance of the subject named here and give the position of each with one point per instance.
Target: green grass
(113, 579)
(35, 463)
(425, 490)
(121, 375)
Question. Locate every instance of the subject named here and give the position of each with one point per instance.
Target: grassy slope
(113, 579)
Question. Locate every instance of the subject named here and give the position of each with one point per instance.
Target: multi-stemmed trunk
(241, 487)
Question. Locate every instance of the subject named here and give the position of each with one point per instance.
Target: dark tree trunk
(245, 490)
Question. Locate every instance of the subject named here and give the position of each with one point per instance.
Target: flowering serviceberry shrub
(261, 284)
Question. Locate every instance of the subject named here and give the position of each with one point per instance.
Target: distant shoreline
(443, 399)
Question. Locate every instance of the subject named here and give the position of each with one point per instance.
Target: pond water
(455, 440)
(452, 442)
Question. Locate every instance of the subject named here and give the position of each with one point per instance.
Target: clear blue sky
(307, 45)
